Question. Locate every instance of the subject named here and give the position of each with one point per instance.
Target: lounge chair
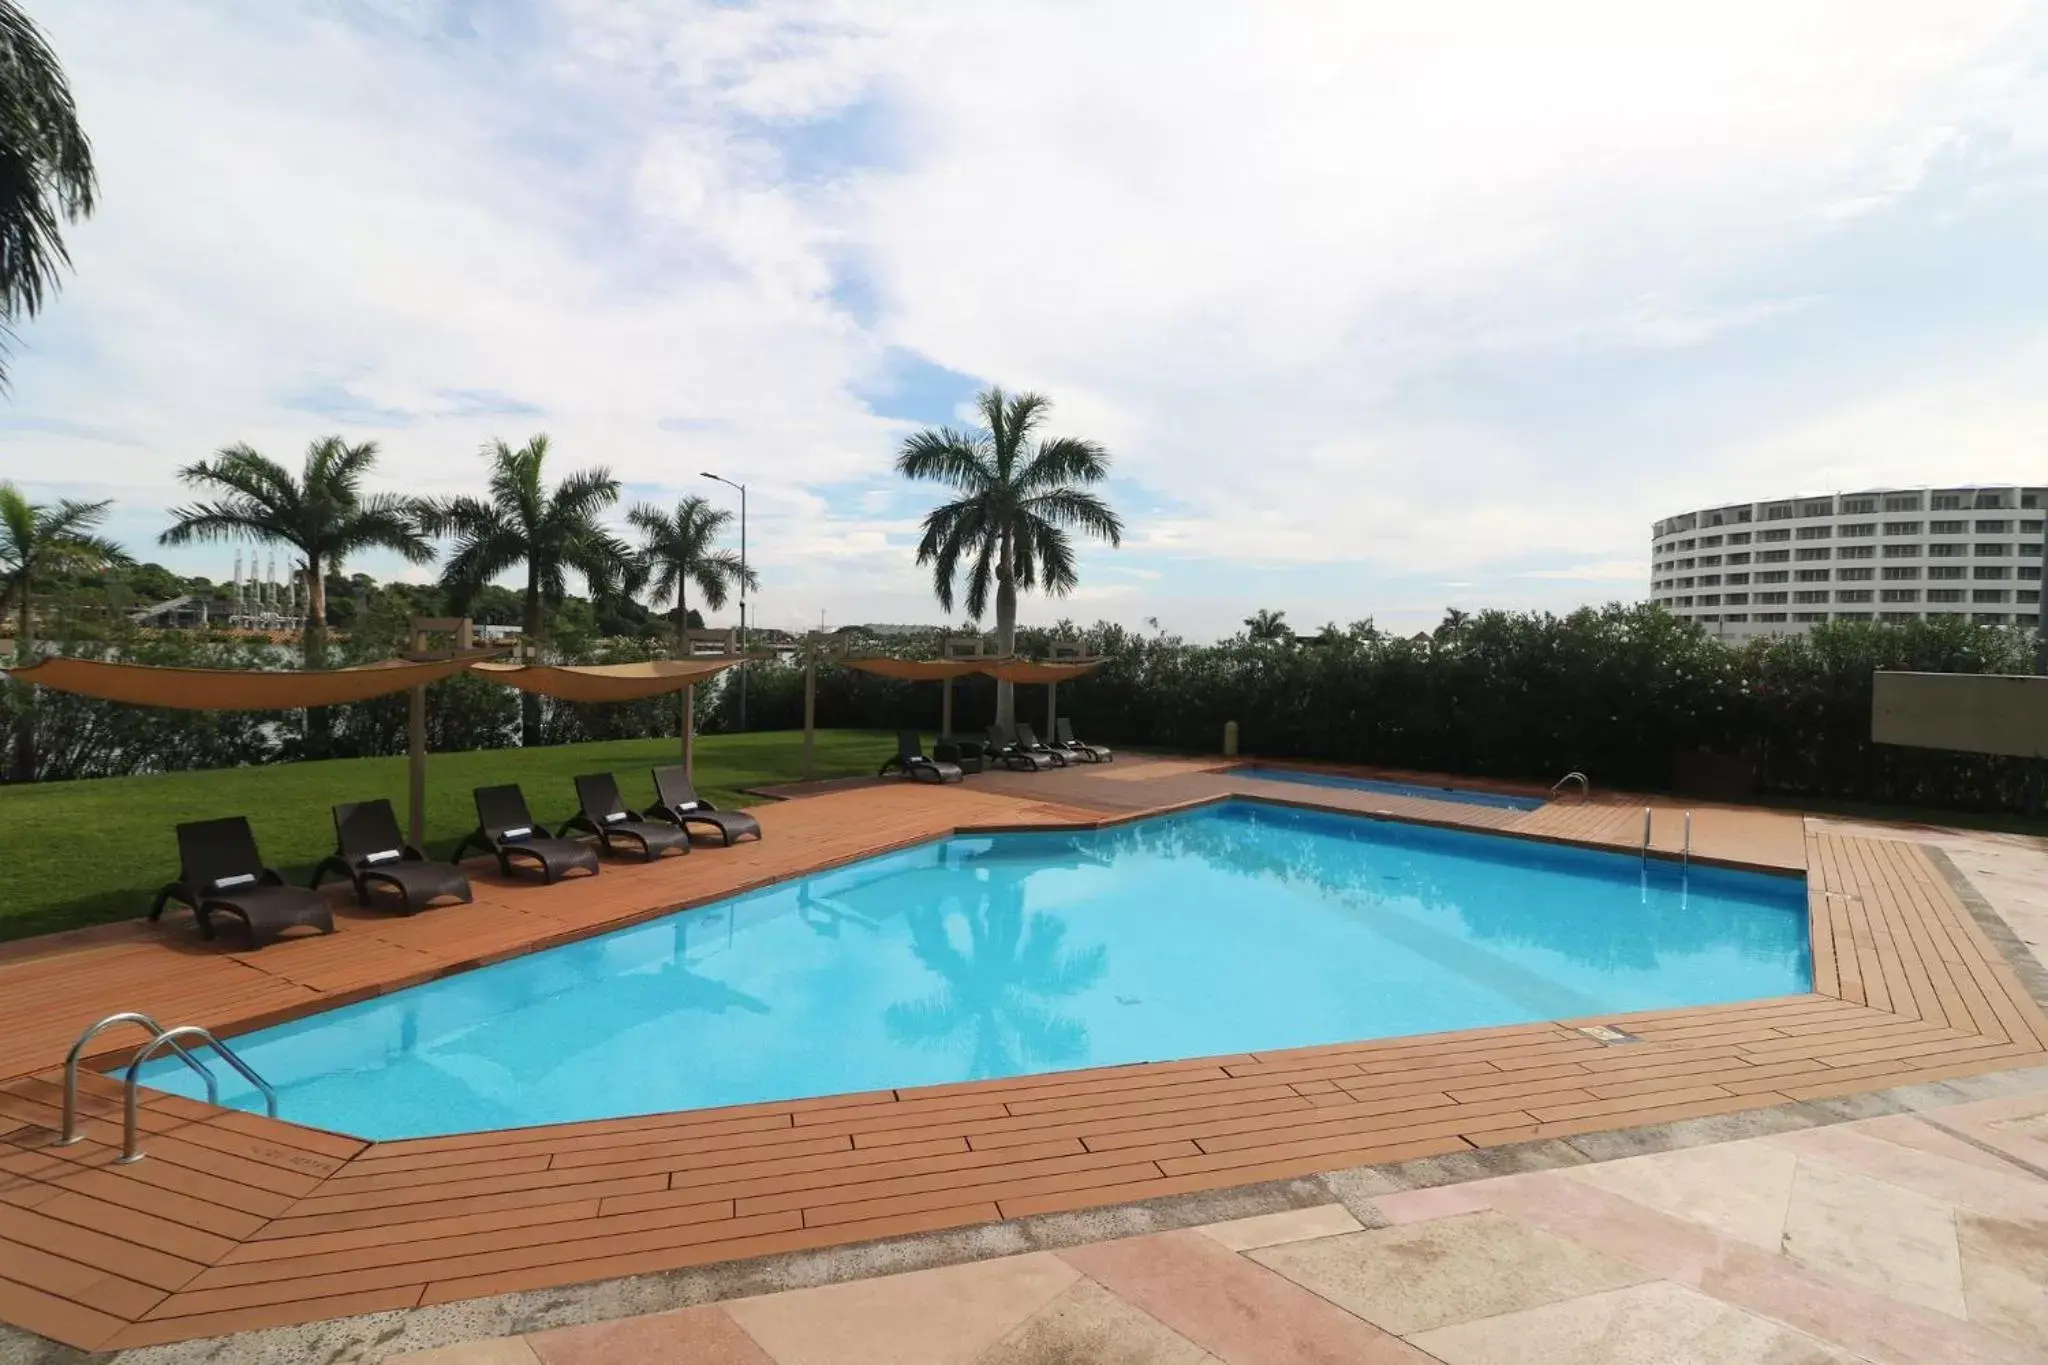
(1001, 750)
(507, 830)
(911, 759)
(602, 811)
(1030, 743)
(371, 853)
(221, 873)
(676, 800)
(1063, 737)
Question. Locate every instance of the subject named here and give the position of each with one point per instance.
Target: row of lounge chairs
(1026, 753)
(221, 872)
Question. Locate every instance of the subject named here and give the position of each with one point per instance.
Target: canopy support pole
(810, 706)
(416, 767)
(1052, 710)
(416, 720)
(689, 731)
(945, 708)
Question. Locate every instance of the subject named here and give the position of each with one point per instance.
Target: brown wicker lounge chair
(1001, 750)
(221, 873)
(508, 831)
(602, 811)
(676, 800)
(372, 854)
(1030, 743)
(911, 760)
(1063, 737)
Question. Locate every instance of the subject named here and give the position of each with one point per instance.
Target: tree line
(522, 525)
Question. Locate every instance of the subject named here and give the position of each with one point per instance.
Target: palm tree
(46, 174)
(323, 514)
(1268, 626)
(1019, 499)
(551, 532)
(676, 551)
(35, 540)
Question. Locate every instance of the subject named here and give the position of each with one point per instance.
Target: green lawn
(77, 853)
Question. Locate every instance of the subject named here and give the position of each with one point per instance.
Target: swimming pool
(1465, 796)
(1230, 928)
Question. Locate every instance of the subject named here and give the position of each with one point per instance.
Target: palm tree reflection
(996, 1000)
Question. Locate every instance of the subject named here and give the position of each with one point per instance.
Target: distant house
(498, 635)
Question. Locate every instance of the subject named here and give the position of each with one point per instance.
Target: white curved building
(1754, 569)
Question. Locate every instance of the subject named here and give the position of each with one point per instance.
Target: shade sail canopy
(916, 670)
(606, 682)
(1025, 671)
(235, 689)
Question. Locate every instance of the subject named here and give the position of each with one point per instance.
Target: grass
(80, 853)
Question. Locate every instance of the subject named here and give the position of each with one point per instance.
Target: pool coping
(1885, 922)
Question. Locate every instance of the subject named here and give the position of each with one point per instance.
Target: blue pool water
(1462, 795)
(1220, 930)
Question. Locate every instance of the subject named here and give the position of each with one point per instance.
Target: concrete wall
(1989, 713)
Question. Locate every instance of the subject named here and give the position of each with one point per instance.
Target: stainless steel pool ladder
(70, 1133)
(1688, 839)
(159, 1039)
(1585, 786)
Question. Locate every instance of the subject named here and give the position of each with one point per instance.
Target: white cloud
(1353, 287)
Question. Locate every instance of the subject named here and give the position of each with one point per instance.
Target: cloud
(1353, 290)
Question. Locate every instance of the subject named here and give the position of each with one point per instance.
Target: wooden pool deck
(236, 1222)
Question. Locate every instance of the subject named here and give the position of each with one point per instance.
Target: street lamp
(720, 478)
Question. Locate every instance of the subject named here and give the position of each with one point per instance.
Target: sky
(1380, 308)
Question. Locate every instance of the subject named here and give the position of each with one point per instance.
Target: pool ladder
(1585, 785)
(1687, 855)
(160, 1038)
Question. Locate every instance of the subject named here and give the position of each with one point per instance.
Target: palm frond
(944, 455)
(1061, 461)
(213, 522)
(1072, 508)
(46, 169)
(1052, 554)
(382, 520)
(980, 577)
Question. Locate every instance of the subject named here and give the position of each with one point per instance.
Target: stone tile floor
(1902, 1240)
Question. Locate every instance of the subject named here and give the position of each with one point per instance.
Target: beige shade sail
(916, 670)
(606, 682)
(235, 689)
(1025, 671)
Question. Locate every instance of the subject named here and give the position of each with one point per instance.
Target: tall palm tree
(37, 539)
(1019, 499)
(323, 514)
(46, 175)
(1268, 625)
(676, 550)
(553, 532)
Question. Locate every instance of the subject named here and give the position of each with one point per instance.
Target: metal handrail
(1585, 784)
(70, 1133)
(131, 1131)
(1646, 836)
(1688, 841)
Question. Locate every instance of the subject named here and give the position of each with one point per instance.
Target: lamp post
(720, 478)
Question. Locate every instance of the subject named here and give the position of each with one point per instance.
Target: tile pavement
(1898, 1240)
